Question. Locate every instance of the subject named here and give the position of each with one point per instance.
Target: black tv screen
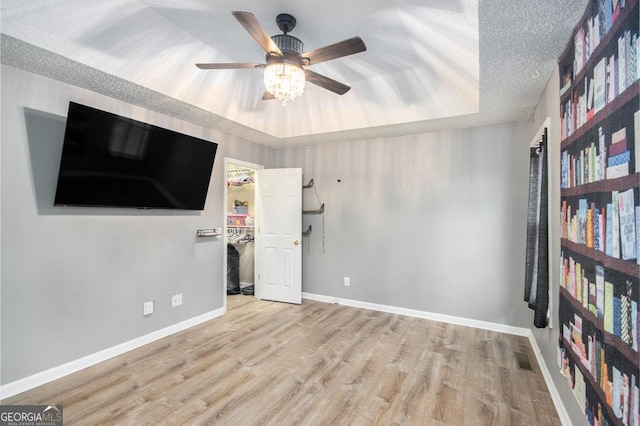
(113, 161)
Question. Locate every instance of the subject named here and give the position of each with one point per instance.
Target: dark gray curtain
(536, 288)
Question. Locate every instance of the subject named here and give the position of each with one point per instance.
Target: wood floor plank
(266, 363)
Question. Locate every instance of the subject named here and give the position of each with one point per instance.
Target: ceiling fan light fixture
(286, 65)
(283, 80)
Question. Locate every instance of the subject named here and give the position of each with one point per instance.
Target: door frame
(228, 161)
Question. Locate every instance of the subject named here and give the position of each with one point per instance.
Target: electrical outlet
(176, 300)
(347, 281)
(147, 308)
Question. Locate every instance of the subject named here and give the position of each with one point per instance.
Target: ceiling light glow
(284, 81)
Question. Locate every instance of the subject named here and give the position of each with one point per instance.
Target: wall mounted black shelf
(318, 211)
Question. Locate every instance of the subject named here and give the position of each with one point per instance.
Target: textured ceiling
(429, 65)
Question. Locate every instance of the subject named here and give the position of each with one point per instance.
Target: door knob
(296, 243)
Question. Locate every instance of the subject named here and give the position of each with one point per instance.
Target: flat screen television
(113, 161)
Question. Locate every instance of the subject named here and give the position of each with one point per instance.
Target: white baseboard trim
(518, 331)
(484, 325)
(553, 391)
(22, 385)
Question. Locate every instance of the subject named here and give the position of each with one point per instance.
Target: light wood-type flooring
(311, 364)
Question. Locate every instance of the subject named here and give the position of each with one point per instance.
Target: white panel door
(279, 235)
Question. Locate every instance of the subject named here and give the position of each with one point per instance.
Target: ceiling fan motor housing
(291, 48)
(288, 44)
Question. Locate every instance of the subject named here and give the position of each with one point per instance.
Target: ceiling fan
(285, 70)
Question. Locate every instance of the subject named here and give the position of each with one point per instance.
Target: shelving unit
(240, 219)
(600, 185)
(318, 211)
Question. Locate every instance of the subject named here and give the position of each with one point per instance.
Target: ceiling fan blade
(338, 50)
(229, 66)
(253, 27)
(326, 82)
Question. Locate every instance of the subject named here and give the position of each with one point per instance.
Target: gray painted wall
(435, 222)
(73, 280)
(547, 339)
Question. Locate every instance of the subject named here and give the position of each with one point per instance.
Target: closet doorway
(263, 231)
(241, 214)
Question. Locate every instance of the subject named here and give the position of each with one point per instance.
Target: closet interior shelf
(240, 235)
(309, 185)
(241, 172)
(319, 211)
(307, 232)
(240, 177)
